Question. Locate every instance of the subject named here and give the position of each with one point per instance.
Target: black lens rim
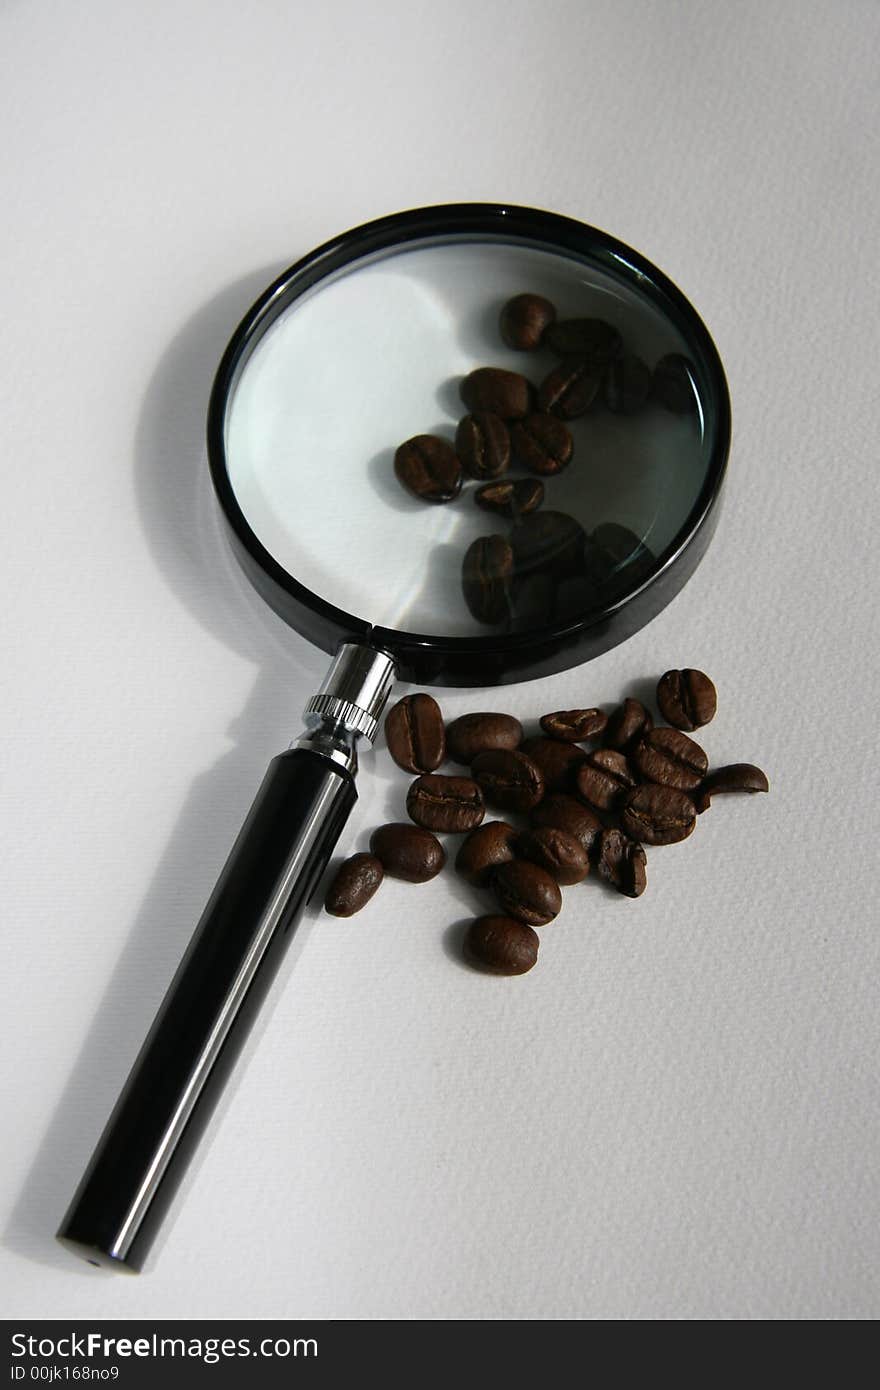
(491, 659)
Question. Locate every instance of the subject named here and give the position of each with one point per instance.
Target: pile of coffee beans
(573, 807)
(546, 567)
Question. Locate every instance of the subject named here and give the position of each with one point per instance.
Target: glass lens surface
(374, 356)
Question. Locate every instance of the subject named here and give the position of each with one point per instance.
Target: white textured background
(676, 1114)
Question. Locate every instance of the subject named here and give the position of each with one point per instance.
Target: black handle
(277, 860)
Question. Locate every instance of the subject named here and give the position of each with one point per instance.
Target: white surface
(675, 1115)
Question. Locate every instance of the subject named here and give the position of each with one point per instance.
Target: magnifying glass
(358, 347)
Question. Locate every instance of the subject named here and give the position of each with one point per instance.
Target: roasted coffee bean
(558, 761)
(590, 337)
(619, 559)
(509, 498)
(567, 814)
(415, 733)
(627, 726)
(445, 803)
(738, 777)
(542, 444)
(528, 892)
(532, 602)
(524, 319)
(657, 815)
(501, 945)
(556, 851)
(509, 778)
(622, 862)
(687, 699)
(482, 442)
(571, 388)
(627, 385)
(355, 883)
(669, 757)
(428, 467)
(501, 393)
(604, 779)
(575, 598)
(407, 851)
(491, 844)
(552, 542)
(574, 725)
(672, 384)
(486, 576)
(476, 733)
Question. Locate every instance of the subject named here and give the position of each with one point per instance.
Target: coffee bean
(407, 851)
(622, 862)
(552, 542)
(486, 576)
(542, 444)
(657, 815)
(687, 699)
(501, 945)
(627, 726)
(590, 337)
(604, 779)
(559, 853)
(571, 388)
(574, 725)
(569, 815)
(355, 883)
(471, 734)
(672, 384)
(511, 499)
(532, 602)
(484, 849)
(558, 761)
(445, 803)
(738, 777)
(509, 778)
(501, 393)
(428, 467)
(524, 319)
(620, 560)
(415, 733)
(482, 442)
(627, 385)
(669, 757)
(527, 892)
(575, 598)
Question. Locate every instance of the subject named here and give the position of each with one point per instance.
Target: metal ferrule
(348, 705)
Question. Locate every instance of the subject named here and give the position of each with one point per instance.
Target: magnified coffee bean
(542, 444)
(428, 467)
(486, 576)
(576, 597)
(527, 892)
(407, 851)
(657, 815)
(738, 777)
(532, 602)
(524, 319)
(571, 388)
(591, 337)
(574, 725)
(571, 816)
(444, 803)
(509, 778)
(555, 850)
(482, 443)
(671, 758)
(627, 725)
(619, 557)
(501, 945)
(672, 384)
(687, 699)
(491, 844)
(415, 733)
(558, 761)
(604, 779)
(476, 733)
(548, 541)
(355, 883)
(511, 498)
(622, 862)
(501, 393)
(627, 385)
